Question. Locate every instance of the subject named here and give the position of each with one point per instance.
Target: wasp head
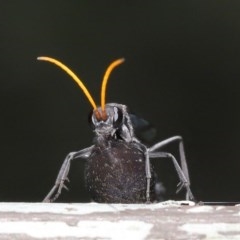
(107, 121)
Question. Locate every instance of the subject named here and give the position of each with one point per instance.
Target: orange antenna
(105, 79)
(73, 75)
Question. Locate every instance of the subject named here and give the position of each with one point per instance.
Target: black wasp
(118, 167)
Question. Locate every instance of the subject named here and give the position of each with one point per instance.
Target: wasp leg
(144, 149)
(183, 179)
(63, 173)
(148, 175)
(183, 161)
(181, 151)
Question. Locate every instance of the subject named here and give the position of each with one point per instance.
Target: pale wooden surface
(168, 220)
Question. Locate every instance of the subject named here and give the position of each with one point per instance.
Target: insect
(118, 167)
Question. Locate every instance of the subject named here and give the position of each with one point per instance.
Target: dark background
(182, 74)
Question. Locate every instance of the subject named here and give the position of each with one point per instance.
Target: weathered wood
(167, 220)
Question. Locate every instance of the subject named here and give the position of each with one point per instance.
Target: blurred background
(181, 74)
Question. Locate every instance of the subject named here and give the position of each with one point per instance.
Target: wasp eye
(117, 117)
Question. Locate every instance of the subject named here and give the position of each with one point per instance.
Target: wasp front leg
(63, 173)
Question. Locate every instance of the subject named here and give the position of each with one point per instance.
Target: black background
(182, 74)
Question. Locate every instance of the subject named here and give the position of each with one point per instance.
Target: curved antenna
(105, 79)
(73, 75)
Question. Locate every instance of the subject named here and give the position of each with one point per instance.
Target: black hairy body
(118, 167)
